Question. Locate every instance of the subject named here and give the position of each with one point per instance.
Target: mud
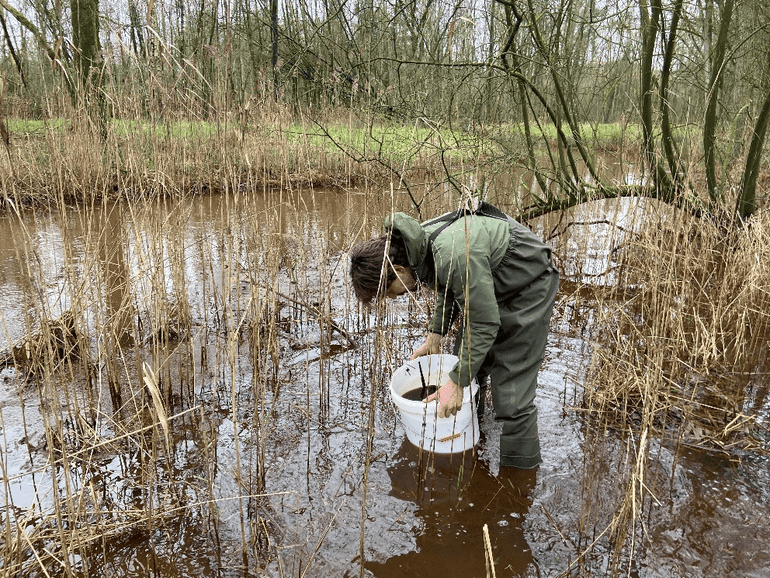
(309, 473)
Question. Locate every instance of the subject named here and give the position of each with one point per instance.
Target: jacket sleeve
(470, 281)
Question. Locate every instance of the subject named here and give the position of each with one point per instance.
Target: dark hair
(367, 261)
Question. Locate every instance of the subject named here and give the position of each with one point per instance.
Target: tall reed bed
(168, 146)
(155, 333)
(679, 323)
(175, 342)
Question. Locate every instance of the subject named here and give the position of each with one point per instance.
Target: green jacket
(468, 257)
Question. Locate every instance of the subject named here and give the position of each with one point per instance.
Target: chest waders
(484, 210)
(514, 360)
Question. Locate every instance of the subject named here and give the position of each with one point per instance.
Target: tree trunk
(712, 100)
(747, 202)
(509, 51)
(274, 31)
(137, 38)
(649, 34)
(85, 35)
(564, 109)
(12, 50)
(665, 106)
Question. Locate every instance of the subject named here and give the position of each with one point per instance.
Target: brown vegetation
(678, 321)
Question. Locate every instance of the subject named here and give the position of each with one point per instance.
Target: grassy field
(173, 157)
(269, 148)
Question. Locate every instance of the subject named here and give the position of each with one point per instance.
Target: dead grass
(678, 329)
(167, 152)
(680, 333)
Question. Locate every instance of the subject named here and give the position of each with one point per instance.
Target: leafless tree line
(692, 75)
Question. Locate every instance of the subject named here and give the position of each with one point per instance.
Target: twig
(588, 224)
(314, 310)
(488, 554)
(590, 547)
(567, 542)
(320, 541)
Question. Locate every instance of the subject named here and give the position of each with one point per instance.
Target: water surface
(287, 457)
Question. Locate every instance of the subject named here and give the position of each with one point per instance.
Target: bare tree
(513, 71)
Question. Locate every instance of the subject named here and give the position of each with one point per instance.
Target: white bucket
(423, 427)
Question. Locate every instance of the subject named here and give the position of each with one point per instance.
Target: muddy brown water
(282, 481)
(419, 393)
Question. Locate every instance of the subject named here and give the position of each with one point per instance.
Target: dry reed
(679, 322)
(159, 339)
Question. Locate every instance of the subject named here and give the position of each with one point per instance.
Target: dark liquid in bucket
(419, 393)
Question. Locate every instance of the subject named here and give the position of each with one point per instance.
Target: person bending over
(500, 276)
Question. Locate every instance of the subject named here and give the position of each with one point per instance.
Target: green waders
(513, 363)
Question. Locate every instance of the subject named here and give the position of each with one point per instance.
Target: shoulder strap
(447, 219)
(488, 210)
(484, 209)
(435, 233)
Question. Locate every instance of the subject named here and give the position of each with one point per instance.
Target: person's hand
(450, 398)
(431, 346)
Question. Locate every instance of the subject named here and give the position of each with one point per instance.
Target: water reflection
(138, 257)
(456, 495)
(115, 273)
(29, 250)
